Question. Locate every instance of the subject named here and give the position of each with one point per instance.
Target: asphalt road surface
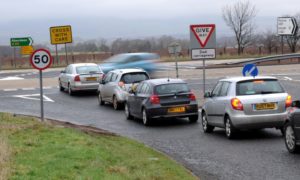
(253, 155)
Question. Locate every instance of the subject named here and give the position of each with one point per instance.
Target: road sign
(41, 59)
(27, 50)
(23, 41)
(203, 53)
(61, 34)
(250, 70)
(286, 26)
(174, 48)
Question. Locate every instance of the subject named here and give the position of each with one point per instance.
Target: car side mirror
(207, 94)
(296, 104)
(63, 71)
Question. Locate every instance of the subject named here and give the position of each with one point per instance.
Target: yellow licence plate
(176, 110)
(264, 106)
(91, 79)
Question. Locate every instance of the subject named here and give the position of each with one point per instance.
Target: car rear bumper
(259, 121)
(85, 87)
(162, 112)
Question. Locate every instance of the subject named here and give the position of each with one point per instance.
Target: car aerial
(162, 98)
(80, 77)
(145, 61)
(245, 103)
(292, 129)
(115, 86)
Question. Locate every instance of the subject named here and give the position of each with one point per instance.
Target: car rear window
(134, 77)
(258, 86)
(88, 70)
(171, 88)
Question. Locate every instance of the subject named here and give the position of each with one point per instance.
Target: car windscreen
(258, 86)
(172, 88)
(88, 70)
(134, 77)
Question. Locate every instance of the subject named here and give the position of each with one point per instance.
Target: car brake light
(288, 101)
(77, 78)
(237, 104)
(154, 99)
(192, 96)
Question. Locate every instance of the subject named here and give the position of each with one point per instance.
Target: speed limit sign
(41, 59)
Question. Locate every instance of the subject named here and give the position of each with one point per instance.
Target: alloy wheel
(290, 138)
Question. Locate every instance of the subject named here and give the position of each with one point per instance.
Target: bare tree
(239, 18)
(269, 40)
(292, 41)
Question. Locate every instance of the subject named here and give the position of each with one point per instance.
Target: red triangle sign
(203, 32)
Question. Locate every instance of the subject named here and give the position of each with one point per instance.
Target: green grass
(43, 151)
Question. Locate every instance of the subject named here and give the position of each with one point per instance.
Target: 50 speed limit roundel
(41, 59)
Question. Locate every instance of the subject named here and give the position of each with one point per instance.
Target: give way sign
(203, 32)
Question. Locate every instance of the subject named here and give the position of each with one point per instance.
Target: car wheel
(146, 119)
(116, 104)
(127, 112)
(205, 126)
(101, 102)
(60, 87)
(290, 139)
(70, 91)
(229, 129)
(193, 119)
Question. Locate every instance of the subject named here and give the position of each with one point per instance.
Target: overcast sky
(93, 19)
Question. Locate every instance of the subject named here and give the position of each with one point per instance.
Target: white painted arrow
(34, 97)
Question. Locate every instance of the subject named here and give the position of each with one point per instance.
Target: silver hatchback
(245, 103)
(115, 86)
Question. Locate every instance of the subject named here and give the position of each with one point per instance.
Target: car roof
(83, 64)
(129, 70)
(242, 78)
(161, 81)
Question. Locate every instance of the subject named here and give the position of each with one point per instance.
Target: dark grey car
(161, 98)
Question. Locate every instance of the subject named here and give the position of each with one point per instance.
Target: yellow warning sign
(61, 34)
(26, 50)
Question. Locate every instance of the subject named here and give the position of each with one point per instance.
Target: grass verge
(33, 150)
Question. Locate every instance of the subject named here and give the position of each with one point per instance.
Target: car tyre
(116, 104)
(101, 102)
(290, 139)
(146, 119)
(229, 129)
(127, 112)
(205, 126)
(60, 87)
(70, 91)
(193, 119)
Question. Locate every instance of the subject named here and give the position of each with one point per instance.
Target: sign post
(41, 59)
(21, 42)
(175, 49)
(203, 44)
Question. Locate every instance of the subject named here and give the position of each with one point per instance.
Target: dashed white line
(10, 89)
(288, 78)
(28, 89)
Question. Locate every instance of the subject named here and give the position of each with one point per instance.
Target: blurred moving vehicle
(162, 98)
(80, 77)
(145, 61)
(245, 103)
(292, 129)
(115, 86)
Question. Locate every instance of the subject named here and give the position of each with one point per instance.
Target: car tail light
(77, 78)
(192, 96)
(288, 101)
(154, 99)
(237, 104)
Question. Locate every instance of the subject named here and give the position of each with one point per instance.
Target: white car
(80, 77)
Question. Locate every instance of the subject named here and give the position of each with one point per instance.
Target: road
(253, 155)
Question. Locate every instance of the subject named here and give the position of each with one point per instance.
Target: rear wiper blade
(268, 92)
(182, 92)
(95, 72)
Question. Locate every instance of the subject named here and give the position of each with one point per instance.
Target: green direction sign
(24, 41)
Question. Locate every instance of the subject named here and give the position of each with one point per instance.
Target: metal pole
(66, 53)
(203, 76)
(14, 61)
(281, 44)
(41, 95)
(57, 60)
(176, 60)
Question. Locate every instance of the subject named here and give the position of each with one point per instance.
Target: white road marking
(28, 89)
(288, 78)
(10, 89)
(11, 78)
(48, 87)
(34, 97)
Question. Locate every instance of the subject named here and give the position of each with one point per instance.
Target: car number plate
(176, 110)
(91, 79)
(264, 106)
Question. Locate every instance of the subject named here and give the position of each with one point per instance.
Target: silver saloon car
(80, 77)
(245, 103)
(116, 85)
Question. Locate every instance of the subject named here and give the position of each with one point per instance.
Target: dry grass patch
(4, 158)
